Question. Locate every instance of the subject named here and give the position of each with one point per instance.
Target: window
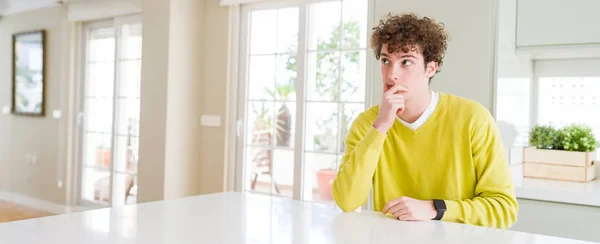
(303, 83)
(567, 100)
(109, 111)
(563, 92)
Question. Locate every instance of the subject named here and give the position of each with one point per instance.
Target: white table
(245, 218)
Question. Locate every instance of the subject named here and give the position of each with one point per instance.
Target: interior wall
(186, 55)
(41, 137)
(153, 107)
(215, 97)
(184, 75)
(468, 65)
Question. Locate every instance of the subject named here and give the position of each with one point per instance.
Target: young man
(426, 155)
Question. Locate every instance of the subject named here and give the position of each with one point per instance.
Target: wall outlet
(210, 120)
(31, 159)
(5, 109)
(56, 114)
(60, 184)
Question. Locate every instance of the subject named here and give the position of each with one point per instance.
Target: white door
(303, 70)
(109, 111)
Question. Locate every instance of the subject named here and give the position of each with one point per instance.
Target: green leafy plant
(543, 137)
(577, 137)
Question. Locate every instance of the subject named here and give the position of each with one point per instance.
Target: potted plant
(564, 154)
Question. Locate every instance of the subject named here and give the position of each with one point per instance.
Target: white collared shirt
(426, 114)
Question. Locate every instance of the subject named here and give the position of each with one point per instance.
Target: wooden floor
(12, 212)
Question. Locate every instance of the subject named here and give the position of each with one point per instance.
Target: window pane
(321, 127)
(124, 189)
(261, 85)
(285, 124)
(286, 78)
(129, 116)
(287, 30)
(354, 17)
(568, 100)
(350, 112)
(131, 41)
(323, 76)
(100, 79)
(129, 78)
(127, 154)
(353, 78)
(322, 169)
(263, 32)
(96, 185)
(97, 150)
(101, 45)
(270, 171)
(283, 171)
(99, 114)
(513, 113)
(324, 30)
(260, 123)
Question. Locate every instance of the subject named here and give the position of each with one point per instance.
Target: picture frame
(28, 73)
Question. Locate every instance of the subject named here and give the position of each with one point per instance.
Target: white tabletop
(245, 218)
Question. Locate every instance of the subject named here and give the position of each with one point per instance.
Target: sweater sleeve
(494, 204)
(354, 179)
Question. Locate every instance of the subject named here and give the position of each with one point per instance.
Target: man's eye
(407, 62)
(385, 61)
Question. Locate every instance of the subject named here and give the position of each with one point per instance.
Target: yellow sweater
(456, 155)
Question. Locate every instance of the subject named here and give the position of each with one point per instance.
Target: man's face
(407, 69)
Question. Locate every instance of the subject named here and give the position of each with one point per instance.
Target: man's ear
(431, 68)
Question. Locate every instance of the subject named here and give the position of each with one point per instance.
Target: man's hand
(392, 105)
(406, 208)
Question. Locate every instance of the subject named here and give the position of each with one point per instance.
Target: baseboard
(39, 204)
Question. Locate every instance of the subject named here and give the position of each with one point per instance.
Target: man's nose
(393, 74)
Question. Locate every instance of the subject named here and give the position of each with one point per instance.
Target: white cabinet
(557, 22)
(558, 219)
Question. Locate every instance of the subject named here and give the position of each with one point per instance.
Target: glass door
(109, 118)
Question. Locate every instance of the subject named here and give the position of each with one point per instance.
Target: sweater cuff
(453, 210)
(374, 137)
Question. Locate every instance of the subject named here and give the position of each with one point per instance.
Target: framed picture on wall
(28, 80)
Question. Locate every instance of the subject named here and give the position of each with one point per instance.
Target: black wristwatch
(440, 207)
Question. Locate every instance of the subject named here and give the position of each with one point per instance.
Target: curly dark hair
(407, 32)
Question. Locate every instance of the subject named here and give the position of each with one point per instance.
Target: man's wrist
(380, 127)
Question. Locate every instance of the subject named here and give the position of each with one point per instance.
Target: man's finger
(398, 208)
(395, 96)
(406, 216)
(396, 88)
(396, 101)
(390, 204)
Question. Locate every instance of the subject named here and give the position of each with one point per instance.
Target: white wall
(184, 95)
(153, 107)
(43, 137)
(184, 75)
(467, 70)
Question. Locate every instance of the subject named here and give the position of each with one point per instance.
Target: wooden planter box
(559, 165)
